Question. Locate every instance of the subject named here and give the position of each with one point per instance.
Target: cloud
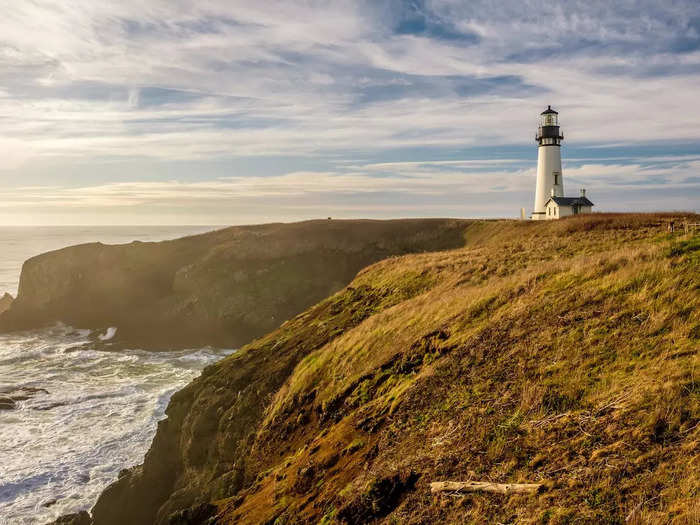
(465, 187)
(144, 82)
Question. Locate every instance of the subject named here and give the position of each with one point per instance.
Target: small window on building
(556, 178)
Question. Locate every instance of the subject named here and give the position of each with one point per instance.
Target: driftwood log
(484, 486)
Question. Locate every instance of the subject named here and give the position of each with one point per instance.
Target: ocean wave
(97, 414)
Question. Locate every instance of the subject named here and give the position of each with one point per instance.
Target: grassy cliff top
(563, 352)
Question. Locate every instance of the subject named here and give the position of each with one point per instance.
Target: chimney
(551, 192)
(583, 192)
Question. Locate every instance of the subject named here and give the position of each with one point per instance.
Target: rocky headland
(222, 288)
(561, 353)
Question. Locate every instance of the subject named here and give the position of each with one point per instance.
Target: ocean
(19, 243)
(81, 414)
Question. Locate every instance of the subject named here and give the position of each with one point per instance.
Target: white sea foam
(109, 334)
(99, 416)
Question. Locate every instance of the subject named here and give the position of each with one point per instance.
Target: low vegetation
(563, 353)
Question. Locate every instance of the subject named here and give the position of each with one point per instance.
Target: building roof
(570, 201)
(549, 110)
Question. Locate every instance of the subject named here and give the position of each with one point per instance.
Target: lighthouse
(550, 182)
(550, 202)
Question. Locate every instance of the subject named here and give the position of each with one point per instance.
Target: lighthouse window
(556, 178)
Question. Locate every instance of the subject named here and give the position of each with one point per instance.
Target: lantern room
(549, 117)
(548, 133)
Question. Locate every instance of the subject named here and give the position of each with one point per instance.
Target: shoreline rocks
(6, 302)
(78, 518)
(7, 403)
(10, 396)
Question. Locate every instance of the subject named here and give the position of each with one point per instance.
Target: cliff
(221, 288)
(563, 352)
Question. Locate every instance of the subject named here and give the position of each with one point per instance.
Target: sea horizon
(22, 242)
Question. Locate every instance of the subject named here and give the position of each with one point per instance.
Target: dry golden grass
(564, 353)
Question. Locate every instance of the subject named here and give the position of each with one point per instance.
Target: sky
(232, 112)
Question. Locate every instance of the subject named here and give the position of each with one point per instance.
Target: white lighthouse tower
(550, 182)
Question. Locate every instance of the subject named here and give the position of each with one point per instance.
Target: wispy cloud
(408, 90)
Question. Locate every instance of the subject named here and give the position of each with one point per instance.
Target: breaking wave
(78, 416)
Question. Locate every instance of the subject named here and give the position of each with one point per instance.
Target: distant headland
(222, 288)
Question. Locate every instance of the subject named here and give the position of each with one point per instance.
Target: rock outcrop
(10, 396)
(5, 302)
(222, 288)
(540, 353)
(79, 518)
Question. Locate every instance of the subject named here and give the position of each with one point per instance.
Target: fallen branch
(484, 486)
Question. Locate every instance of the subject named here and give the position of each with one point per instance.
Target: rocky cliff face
(564, 353)
(222, 288)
